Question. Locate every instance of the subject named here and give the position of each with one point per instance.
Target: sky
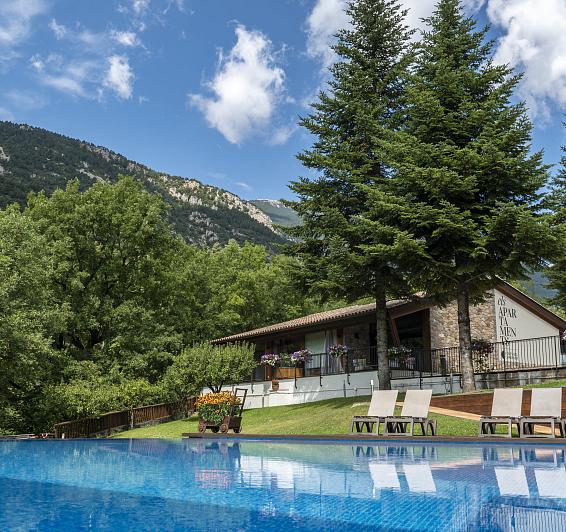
(213, 89)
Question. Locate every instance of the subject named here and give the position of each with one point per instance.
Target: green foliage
(98, 297)
(557, 204)
(463, 162)
(28, 315)
(94, 393)
(207, 365)
(114, 255)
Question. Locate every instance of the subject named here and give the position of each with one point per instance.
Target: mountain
(34, 159)
(279, 213)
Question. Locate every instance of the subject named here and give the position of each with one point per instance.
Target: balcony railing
(533, 353)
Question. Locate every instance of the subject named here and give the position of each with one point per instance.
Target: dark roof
(402, 307)
(310, 320)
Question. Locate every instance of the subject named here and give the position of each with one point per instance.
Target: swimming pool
(283, 486)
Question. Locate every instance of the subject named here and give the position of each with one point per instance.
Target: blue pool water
(284, 486)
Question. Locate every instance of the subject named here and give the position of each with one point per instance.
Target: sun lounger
(414, 412)
(382, 405)
(546, 409)
(505, 410)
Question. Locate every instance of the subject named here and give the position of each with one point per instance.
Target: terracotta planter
(274, 386)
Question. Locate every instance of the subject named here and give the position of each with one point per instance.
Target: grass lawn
(332, 416)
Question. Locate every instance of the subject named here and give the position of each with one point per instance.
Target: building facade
(512, 332)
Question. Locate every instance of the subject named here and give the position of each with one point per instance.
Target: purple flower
(338, 350)
(270, 359)
(302, 355)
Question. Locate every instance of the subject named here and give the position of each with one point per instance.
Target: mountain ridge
(34, 159)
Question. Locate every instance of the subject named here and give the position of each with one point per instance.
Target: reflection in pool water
(246, 485)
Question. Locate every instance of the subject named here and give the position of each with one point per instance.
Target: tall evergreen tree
(349, 242)
(557, 204)
(464, 165)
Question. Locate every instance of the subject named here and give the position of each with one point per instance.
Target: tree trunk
(383, 372)
(465, 339)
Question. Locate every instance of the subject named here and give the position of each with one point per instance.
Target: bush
(207, 365)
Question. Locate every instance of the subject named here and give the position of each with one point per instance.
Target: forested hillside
(33, 159)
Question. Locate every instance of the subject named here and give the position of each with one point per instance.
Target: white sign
(515, 322)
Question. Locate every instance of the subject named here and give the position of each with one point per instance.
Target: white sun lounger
(381, 406)
(505, 410)
(546, 409)
(414, 412)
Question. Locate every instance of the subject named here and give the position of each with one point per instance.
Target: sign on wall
(515, 322)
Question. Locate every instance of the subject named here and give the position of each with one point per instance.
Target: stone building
(428, 331)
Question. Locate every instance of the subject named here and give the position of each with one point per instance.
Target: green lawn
(332, 416)
(323, 417)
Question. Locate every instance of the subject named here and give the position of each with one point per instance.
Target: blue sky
(212, 89)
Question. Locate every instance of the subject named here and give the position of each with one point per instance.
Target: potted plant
(218, 411)
(271, 359)
(338, 350)
(400, 356)
(275, 385)
(300, 356)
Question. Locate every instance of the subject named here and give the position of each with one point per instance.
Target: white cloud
(534, 41)
(126, 38)
(119, 76)
(140, 6)
(282, 134)
(246, 88)
(23, 99)
(58, 29)
(326, 18)
(244, 185)
(16, 22)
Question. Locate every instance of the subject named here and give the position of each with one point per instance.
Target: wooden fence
(480, 403)
(115, 421)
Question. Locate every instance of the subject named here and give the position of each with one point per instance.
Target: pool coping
(373, 438)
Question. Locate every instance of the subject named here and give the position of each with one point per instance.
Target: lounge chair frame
(399, 425)
(505, 410)
(371, 423)
(544, 411)
(414, 413)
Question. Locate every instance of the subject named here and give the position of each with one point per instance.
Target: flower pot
(274, 386)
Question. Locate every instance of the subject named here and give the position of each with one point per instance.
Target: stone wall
(357, 336)
(444, 323)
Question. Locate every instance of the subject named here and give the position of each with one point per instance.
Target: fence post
(348, 367)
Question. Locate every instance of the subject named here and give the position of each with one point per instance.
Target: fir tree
(349, 242)
(465, 167)
(557, 204)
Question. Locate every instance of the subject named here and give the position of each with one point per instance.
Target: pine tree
(349, 242)
(465, 167)
(557, 204)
